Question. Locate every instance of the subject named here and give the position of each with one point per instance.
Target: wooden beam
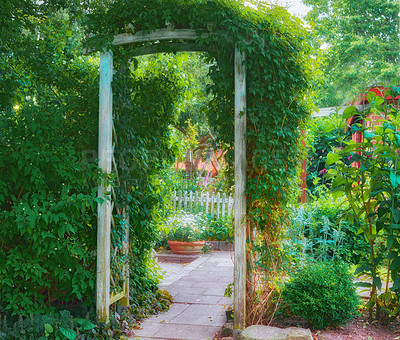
(158, 35)
(104, 209)
(240, 192)
(117, 297)
(170, 47)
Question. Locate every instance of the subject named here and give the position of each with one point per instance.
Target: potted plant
(185, 233)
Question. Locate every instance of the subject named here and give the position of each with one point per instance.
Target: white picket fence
(210, 203)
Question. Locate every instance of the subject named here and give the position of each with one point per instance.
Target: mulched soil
(358, 329)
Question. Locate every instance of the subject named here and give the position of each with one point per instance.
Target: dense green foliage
(360, 45)
(177, 180)
(372, 188)
(60, 326)
(49, 177)
(219, 228)
(321, 230)
(322, 135)
(323, 293)
(47, 188)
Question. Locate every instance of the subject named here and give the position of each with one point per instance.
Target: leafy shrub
(48, 198)
(323, 293)
(47, 208)
(322, 230)
(219, 229)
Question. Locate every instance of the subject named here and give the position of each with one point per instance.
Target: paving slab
(196, 298)
(201, 315)
(186, 332)
(198, 309)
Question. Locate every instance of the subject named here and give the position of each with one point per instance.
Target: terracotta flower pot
(186, 248)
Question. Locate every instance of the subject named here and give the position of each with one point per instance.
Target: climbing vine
(278, 68)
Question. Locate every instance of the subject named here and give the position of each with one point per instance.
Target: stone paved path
(198, 309)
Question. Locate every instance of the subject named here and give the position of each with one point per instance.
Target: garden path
(198, 309)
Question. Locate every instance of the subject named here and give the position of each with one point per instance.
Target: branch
(58, 97)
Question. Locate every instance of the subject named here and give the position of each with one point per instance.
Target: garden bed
(358, 329)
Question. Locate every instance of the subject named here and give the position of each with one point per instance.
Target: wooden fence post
(240, 192)
(104, 209)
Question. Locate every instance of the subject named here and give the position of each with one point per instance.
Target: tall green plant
(368, 173)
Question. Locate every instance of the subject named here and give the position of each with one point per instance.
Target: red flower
(323, 171)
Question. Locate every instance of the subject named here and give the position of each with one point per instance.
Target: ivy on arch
(278, 67)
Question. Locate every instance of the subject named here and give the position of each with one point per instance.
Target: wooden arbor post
(240, 192)
(104, 209)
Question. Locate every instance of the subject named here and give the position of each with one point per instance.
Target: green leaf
(378, 282)
(48, 328)
(338, 182)
(332, 158)
(396, 284)
(349, 112)
(362, 269)
(389, 241)
(85, 324)
(395, 214)
(393, 179)
(394, 226)
(68, 333)
(395, 263)
(369, 135)
(363, 284)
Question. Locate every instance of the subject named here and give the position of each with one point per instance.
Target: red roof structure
(379, 91)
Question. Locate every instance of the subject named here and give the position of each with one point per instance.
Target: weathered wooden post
(240, 192)
(104, 209)
(124, 302)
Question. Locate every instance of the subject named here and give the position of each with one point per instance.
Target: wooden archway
(162, 40)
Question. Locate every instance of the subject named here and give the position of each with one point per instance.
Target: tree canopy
(360, 43)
